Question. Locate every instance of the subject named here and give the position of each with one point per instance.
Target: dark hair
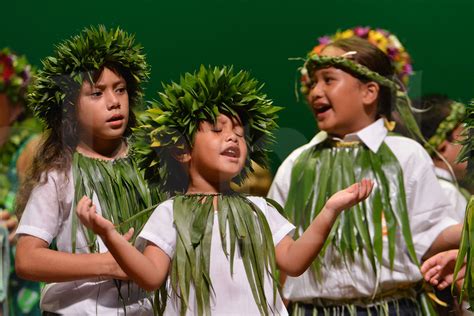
(438, 109)
(376, 60)
(59, 142)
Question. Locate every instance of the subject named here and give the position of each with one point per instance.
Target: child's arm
(294, 257)
(439, 269)
(35, 261)
(449, 238)
(149, 270)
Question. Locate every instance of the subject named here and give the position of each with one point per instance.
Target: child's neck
(107, 150)
(201, 186)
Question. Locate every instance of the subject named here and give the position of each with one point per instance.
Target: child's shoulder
(265, 204)
(166, 204)
(257, 200)
(408, 150)
(56, 177)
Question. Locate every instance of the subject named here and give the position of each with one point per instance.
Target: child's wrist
(330, 213)
(108, 234)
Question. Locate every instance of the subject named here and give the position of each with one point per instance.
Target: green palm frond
(467, 151)
(249, 234)
(466, 256)
(361, 226)
(121, 190)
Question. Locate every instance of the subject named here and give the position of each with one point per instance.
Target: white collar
(372, 136)
(444, 174)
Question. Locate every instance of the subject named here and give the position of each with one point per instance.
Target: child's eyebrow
(327, 71)
(114, 84)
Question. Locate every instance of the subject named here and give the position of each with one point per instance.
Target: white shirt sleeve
(457, 200)
(160, 228)
(43, 214)
(428, 206)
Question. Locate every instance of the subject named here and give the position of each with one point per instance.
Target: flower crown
(15, 75)
(382, 39)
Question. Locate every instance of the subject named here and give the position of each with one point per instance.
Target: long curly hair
(59, 142)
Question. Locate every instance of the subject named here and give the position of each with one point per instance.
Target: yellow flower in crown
(379, 40)
(346, 34)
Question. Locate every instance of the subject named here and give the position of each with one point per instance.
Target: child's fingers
(369, 184)
(81, 206)
(434, 281)
(430, 271)
(431, 263)
(443, 285)
(354, 188)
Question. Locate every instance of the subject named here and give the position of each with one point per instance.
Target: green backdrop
(259, 36)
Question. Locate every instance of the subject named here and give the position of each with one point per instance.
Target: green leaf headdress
(172, 121)
(78, 59)
(467, 151)
(445, 128)
(15, 75)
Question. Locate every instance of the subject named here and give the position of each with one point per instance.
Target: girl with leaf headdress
(219, 248)
(83, 95)
(370, 262)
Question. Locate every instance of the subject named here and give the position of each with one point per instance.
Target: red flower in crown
(7, 64)
(15, 74)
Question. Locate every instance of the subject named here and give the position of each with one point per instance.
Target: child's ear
(182, 155)
(371, 92)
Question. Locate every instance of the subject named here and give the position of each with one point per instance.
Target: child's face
(102, 108)
(337, 99)
(451, 151)
(219, 150)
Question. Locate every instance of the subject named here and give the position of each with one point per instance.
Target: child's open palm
(350, 196)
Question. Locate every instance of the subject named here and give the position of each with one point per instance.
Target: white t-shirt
(457, 200)
(427, 209)
(48, 216)
(233, 295)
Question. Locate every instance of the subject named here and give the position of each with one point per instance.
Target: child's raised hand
(439, 269)
(350, 196)
(10, 222)
(86, 211)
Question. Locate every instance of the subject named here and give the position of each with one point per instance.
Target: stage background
(258, 36)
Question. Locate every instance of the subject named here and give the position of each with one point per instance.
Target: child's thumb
(128, 235)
